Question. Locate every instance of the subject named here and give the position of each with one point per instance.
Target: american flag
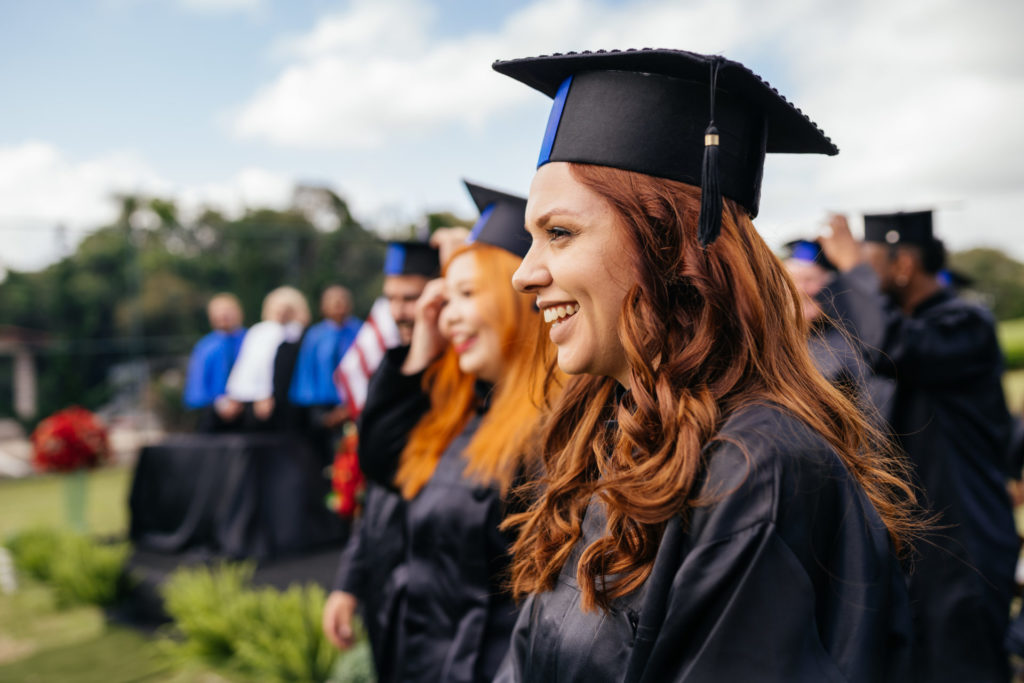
(377, 334)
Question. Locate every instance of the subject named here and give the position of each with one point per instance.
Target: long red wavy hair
(502, 444)
(705, 332)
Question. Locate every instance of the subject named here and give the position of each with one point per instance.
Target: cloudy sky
(391, 102)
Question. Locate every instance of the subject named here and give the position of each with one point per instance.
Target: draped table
(238, 496)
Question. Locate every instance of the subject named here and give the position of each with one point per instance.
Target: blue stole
(322, 348)
(209, 366)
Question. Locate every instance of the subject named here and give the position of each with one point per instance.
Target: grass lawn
(41, 642)
(39, 501)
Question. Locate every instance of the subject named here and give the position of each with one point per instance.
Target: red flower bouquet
(347, 482)
(70, 439)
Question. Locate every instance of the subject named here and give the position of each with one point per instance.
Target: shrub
(81, 570)
(260, 632)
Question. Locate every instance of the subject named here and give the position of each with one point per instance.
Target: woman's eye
(556, 232)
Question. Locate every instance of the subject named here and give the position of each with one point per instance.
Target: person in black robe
(711, 509)
(366, 580)
(950, 417)
(840, 357)
(448, 422)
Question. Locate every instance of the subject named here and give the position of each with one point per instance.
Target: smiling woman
(712, 509)
(456, 413)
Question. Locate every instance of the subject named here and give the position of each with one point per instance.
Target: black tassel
(710, 224)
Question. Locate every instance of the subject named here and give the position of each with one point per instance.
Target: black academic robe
(950, 416)
(371, 568)
(455, 617)
(787, 576)
(846, 363)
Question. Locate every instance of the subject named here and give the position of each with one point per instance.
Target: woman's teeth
(557, 314)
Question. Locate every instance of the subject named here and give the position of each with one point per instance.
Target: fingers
(447, 240)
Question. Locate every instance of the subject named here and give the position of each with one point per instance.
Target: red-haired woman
(712, 509)
(455, 450)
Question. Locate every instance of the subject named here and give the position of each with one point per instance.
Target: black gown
(371, 569)
(788, 577)
(454, 618)
(949, 415)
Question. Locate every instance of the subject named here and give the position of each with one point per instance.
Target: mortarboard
(807, 250)
(702, 120)
(899, 228)
(502, 220)
(411, 258)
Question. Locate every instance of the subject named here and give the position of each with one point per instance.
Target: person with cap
(711, 509)
(212, 359)
(366, 581)
(449, 422)
(312, 382)
(840, 358)
(949, 415)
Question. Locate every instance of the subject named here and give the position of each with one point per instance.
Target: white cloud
(373, 73)
(41, 189)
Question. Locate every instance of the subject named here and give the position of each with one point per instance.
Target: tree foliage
(136, 290)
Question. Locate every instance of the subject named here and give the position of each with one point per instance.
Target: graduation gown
(949, 415)
(455, 617)
(845, 362)
(788, 576)
(323, 345)
(371, 569)
(209, 366)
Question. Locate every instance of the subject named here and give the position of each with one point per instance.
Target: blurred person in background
(840, 357)
(312, 383)
(212, 359)
(257, 381)
(449, 422)
(949, 415)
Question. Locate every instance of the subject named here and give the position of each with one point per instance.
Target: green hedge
(220, 620)
(81, 570)
(1011, 338)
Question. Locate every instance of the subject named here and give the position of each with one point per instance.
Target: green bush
(81, 570)
(220, 620)
(207, 606)
(34, 551)
(1011, 339)
(86, 572)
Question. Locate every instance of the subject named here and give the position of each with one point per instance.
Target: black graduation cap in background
(699, 119)
(910, 227)
(412, 258)
(807, 250)
(502, 220)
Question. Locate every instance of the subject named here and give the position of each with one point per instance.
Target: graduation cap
(412, 258)
(702, 120)
(502, 217)
(955, 279)
(809, 251)
(914, 227)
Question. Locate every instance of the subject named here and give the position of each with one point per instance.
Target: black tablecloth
(238, 496)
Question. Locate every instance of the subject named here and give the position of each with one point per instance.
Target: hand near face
(447, 240)
(427, 342)
(838, 243)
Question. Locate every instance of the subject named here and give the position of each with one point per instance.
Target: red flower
(346, 478)
(70, 439)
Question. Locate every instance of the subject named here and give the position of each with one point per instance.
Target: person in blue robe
(212, 359)
(312, 384)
